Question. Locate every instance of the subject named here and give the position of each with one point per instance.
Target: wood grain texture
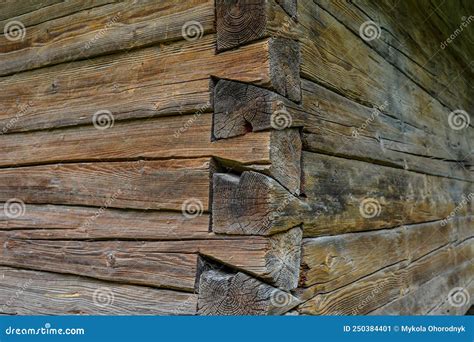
(125, 262)
(239, 22)
(253, 204)
(64, 222)
(240, 108)
(26, 292)
(335, 125)
(157, 81)
(163, 185)
(401, 42)
(334, 261)
(434, 294)
(167, 137)
(275, 259)
(223, 293)
(70, 31)
(387, 285)
(335, 57)
(347, 196)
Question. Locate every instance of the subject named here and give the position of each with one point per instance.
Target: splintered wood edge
(253, 204)
(240, 108)
(222, 293)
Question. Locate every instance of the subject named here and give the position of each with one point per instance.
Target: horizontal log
(169, 80)
(336, 125)
(66, 32)
(274, 153)
(24, 7)
(335, 57)
(253, 204)
(161, 185)
(26, 292)
(432, 294)
(126, 262)
(333, 124)
(275, 259)
(241, 22)
(222, 293)
(347, 196)
(61, 222)
(167, 137)
(389, 284)
(334, 261)
(396, 46)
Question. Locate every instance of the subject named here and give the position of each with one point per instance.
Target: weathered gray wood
(127, 262)
(413, 56)
(334, 261)
(240, 108)
(223, 293)
(333, 56)
(70, 31)
(387, 285)
(348, 195)
(433, 294)
(253, 204)
(25, 292)
(336, 125)
(290, 6)
(333, 124)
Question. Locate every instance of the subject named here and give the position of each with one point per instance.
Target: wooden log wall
(223, 157)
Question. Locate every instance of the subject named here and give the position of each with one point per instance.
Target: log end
(239, 22)
(253, 204)
(222, 293)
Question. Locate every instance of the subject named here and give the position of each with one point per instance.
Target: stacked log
(233, 157)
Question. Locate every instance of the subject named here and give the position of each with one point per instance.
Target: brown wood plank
(347, 195)
(416, 50)
(8, 11)
(275, 259)
(335, 125)
(337, 58)
(168, 80)
(241, 22)
(127, 262)
(167, 137)
(163, 185)
(334, 261)
(389, 284)
(60, 222)
(26, 292)
(274, 153)
(71, 31)
(432, 294)
(253, 204)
